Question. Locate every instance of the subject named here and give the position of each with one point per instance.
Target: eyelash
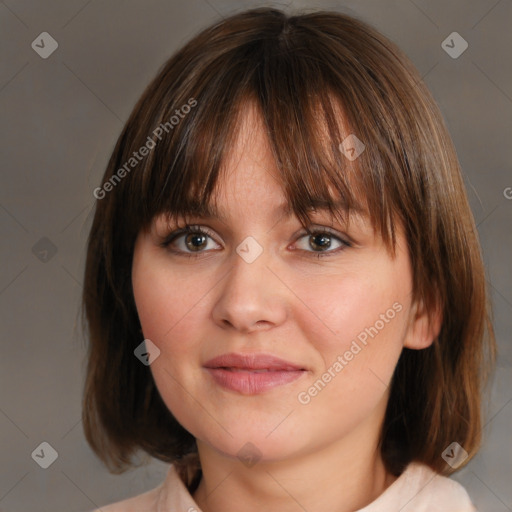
(187, 229)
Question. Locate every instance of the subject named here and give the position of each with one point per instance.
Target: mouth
(252, 374)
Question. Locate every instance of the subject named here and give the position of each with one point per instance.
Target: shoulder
(420, 489)
(171, 494)
(146, 502)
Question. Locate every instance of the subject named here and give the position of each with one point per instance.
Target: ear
(424, 326)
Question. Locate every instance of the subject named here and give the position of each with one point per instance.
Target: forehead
(220, 211)
(251, 177)
(282, 158)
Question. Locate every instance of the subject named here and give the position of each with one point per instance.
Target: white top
(417, 489)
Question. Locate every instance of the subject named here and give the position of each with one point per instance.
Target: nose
(250, 297)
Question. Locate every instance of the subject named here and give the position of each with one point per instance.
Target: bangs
(310, 170)
(308, 101)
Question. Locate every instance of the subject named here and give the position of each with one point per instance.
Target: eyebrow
(210, 210)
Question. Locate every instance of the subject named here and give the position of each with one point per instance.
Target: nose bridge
(249, 262)
(248, 297)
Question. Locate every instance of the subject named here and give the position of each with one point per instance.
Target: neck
(343, 476)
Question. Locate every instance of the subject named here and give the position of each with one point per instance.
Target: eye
(189, 240)
(192, 241)
(323, 242)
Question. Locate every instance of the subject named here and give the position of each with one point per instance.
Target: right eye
(189, 241)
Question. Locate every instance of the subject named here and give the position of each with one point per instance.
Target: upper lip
(251, 362)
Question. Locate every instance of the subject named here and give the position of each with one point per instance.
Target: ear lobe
(424, 327)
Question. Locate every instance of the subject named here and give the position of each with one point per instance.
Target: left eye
(322, 241)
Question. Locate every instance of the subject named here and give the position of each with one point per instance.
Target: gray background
(60, 119)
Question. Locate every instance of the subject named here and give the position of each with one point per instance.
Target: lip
(251, 374)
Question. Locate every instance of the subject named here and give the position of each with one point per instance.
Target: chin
(252, 443)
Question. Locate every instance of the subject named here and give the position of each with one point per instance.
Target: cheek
(152, 300)
(170, 311)
(363, 321)
(165, 303)
(358, 307)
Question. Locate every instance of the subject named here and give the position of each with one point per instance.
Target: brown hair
(301, 72)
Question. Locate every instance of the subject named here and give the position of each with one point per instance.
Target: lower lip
(251, 382)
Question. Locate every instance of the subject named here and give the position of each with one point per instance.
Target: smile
(251, 374)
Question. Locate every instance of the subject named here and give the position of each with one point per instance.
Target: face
(260, 339)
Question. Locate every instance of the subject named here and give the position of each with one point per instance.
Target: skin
(322, 455)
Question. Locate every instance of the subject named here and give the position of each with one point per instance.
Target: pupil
(193, 238)
(322, 241)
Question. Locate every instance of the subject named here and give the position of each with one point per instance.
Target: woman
(284, 290)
